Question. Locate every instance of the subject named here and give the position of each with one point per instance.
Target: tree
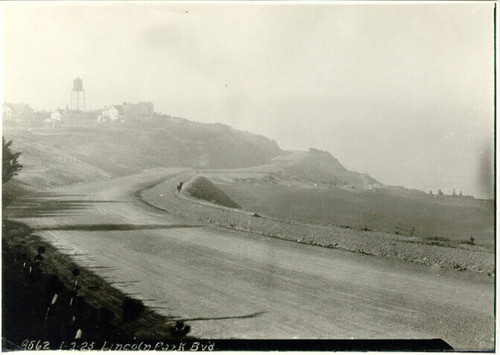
(10, 163)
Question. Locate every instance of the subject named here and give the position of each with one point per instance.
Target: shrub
(179, 330)
(106, 317)
(54, 285)
(132, 309)
(10, 163)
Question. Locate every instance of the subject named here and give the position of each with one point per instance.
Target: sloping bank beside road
(464, 257)
(50, 303)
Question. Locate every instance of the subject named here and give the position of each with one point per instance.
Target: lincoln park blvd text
(190, 345)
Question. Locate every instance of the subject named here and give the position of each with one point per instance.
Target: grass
(61, 156)
(387, 211)
(11, 191)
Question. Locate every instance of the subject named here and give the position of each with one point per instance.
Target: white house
(111, 114)
(55, 115)
(54, 120)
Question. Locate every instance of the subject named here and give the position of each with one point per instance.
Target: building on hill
(19, 113)
(54, 120)
(113, 113)
(56, 115)
(127, 112)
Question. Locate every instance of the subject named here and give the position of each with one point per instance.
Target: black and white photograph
(248, 175)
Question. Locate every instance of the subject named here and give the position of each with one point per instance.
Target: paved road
(228, 284)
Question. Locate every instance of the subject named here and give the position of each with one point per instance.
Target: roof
(119, 108)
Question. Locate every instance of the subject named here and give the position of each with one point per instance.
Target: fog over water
(403, 92)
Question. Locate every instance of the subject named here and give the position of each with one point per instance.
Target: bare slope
(61, 156)
(48, 162)
(314, 167)
(322, 168)
(201, 188)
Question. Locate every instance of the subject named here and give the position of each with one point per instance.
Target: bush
(53, 285)
(10, 164)
(132, 309)
(106, 317)
(179, 330)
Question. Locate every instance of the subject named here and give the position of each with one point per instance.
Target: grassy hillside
(314, 167)
(56, 157)
(61, 156)
(322, 168)
(47, 163)
(100, 311)
(381, 210)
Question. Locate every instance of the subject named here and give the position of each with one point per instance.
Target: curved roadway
(229, 284)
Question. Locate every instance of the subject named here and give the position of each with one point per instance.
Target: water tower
(78, 95)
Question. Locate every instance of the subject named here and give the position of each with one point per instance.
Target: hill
(313, 168)
(61, 156)
(314, 187)
(47, 161)
(320, 167)
(201, 188)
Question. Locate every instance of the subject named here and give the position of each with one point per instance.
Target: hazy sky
(403, 92)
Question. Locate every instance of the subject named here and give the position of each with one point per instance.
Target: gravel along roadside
(413, 249)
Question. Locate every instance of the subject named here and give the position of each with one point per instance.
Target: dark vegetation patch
(12, 191)
(203, 189)
(447, 242)
(46, 296)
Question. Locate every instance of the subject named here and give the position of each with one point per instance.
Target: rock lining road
(463, 257)
(229, 284)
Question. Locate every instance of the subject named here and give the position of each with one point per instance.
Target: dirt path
(228, 284)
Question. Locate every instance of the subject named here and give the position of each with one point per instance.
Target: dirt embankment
(202, 189)
(413, 249)
(47, 297)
